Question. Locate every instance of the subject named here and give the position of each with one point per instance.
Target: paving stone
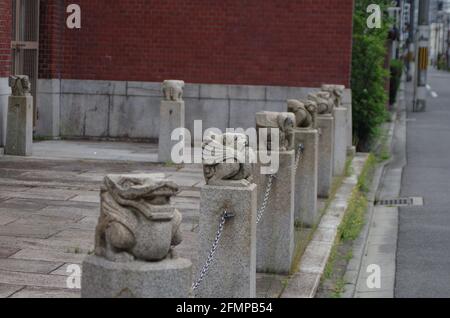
(32, 231)
(46, 255)
(26, 266)
(48, 293)
(28, 279)
(7, 252)
(73, 213)
(5, 219)
(8, 290)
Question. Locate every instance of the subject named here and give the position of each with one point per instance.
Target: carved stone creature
(227, 157)
(325, 102)
(173, 90)
(137, 222)
(305, 112)
(20, 85)
(336, 91)
(283, 122)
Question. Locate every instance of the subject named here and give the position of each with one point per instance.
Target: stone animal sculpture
(336, 91)
(137, 222)
(226, 158)
(20, 85)
(173, 90)
(325, 102)
(305, 112)
(283, 123)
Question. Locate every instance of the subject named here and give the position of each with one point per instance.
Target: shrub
(368, 74)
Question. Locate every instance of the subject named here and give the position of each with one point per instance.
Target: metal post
(422, 44)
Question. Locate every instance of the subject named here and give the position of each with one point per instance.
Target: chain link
(263, 208)
(212, 252)
(300, 151)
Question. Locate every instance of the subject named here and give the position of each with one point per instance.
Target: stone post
(340, 140)
(306, 179)
(134, 241)
(232, 273)
(347, 103)
(275, 231)
(306, 137)
(325, 123)
(341, 126)
(19, 127)
(172, 116)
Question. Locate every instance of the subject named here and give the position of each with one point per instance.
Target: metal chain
(210, 259)
(300, 151)
(263, 208)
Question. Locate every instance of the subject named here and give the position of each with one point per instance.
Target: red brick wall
(52, 24)
(259, 42)
(5, 37)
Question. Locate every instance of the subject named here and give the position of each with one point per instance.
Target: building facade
(237, 57)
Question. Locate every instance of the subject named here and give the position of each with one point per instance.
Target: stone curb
(305, 282)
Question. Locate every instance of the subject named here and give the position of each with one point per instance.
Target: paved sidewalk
(423, 259)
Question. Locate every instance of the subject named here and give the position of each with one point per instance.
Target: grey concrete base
(49, 108)
(5, 91)
(19, 134)
(275, 232)
(233, 272)
(306, 179)
(340, 140)
(326, 153)
(166, 279)
(172, 116)
(130, 110)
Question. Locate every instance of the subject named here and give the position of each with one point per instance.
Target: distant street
(423, 254)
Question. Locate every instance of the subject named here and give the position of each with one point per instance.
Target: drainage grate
(401, 202)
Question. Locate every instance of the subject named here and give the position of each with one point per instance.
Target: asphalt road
(423, 252)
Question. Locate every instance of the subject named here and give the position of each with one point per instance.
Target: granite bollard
(229, 189)
(347, 103)
(172, 116)
(135, 236)
(340, 140)
(19, 133)
(325, 124)
(306, 141)
(306, 179)
(275, 231)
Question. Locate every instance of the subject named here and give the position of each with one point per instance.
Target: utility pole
(422, 45)
(411, 41)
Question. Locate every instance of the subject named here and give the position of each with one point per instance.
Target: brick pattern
(5, 37)
(51, 27)
(271, 42)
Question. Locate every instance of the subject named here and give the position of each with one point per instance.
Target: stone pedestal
(172, 116)
(19, 131)
(347, 103)
(325, 123)
(169, 278)
(233, 272)
(275, 232)
(340, 140)
(306, 179)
